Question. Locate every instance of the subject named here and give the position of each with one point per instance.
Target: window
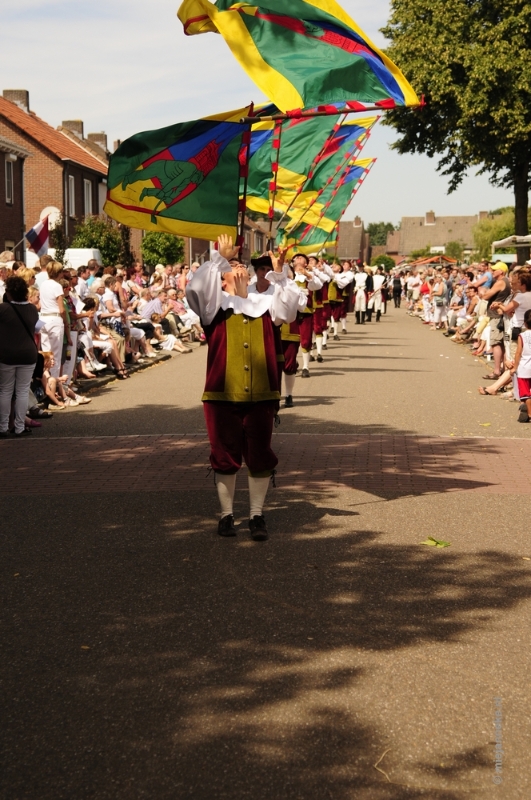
(259, 242)
(9, 244)
(9, 181)
(247, 240)
(71, 196)
(87, 197)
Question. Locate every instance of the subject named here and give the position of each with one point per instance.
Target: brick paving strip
(386, 466)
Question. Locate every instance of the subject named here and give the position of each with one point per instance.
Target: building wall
(43, 184)
(80, 174)
(12, 215)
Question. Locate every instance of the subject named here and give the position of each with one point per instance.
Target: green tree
(100, 233)
(472, 61)
(378, 232)
(455, 250)
(383, 261)
(161, 248)
(423, 253)
(58, 240)
(126, 254)
(491, 230)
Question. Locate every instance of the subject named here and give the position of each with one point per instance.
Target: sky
(125, 66)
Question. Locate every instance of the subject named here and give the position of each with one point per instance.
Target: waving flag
(183, 179)
(335, 198)
(302, 53)
(39, 238)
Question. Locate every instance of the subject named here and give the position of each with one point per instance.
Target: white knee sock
(319, 345)
(289, 384)
(226, 485)
(344, 324)
(305, 360)
(334, 325)
(257, 494)
(325, 337)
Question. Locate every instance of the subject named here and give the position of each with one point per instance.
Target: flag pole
(273, 185)
(328, 111)
(245, 156)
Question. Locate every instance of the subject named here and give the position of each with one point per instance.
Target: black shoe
(4, 434)
(344, 330)
(325, 347)
(522, 407)
(312, 358)
(226, 526)
(305, 373)
(320, 359)
(25, 432)
(258, 528)
(288, 402)
(523, 416)
(336, 338)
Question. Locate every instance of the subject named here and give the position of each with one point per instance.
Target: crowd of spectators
(60, 327)
(486, 307)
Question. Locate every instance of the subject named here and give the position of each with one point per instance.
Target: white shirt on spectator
(524, 367)
(82, 288)
(50, 290)
(41, 277)
(108, 295)
(524, 304)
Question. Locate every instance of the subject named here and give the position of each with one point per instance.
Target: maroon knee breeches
(336, 311)
(291, 350)
(306, 331)
(241, 431)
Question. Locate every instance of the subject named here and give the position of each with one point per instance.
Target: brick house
(418, 233)
(354, 242)
(12, 221)
(61, 171)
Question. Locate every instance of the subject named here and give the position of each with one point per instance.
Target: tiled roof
(91, 147)
(350, 240)
(54, 141)
(415, 234)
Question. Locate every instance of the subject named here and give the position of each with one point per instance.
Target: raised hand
(278, 261)
(226, 247)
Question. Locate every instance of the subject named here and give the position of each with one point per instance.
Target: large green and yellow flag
(302, 53)
(183, 179)
(307, 160)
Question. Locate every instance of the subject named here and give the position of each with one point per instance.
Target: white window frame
(10, 178)
(247, 240)
(87, 197)
(71, 196)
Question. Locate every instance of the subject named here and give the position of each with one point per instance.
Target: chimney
(18, 96)
(98, 138)
(357, 222)
(483, 214)
(75, 126)
(116, 145)
(430, 217)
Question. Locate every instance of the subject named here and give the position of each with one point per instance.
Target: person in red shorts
(522, 368)
(320, 323)
(241, 396)
(308, 283)
(338, 293)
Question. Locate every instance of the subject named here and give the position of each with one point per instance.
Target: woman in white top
(53, 315)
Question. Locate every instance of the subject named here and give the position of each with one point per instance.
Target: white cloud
(125, 66)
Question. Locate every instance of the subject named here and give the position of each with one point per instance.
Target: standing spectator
(83, 274)
(43, 274)
(18, 353)
(53, 314)
(397, 288)
(522, 368)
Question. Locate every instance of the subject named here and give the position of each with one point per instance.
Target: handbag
(439, 301)
(515, 333)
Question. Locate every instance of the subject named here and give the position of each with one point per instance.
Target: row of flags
(313, 63)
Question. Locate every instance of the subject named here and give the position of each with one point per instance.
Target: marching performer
(308, 283)
(376, 299)
(241, 395)
(320, 323)
(360, 303)
(348, 275)
(338, 295)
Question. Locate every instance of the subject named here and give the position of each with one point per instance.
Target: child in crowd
(522, 368)
(56, 390)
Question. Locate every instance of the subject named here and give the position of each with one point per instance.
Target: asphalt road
(144, 657)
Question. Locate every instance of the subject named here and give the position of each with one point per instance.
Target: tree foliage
(383, 261)
(378, 232)
(472, 61)
(126, 254)
(490, 230)
(59, 240)
(102, 234)
(455, 250)
(161, 248)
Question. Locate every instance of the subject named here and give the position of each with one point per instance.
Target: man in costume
(376, 300)
(242, 394)
(360, 302)
(308, 283)
(320, 323)
(288, 332)
(338, 295)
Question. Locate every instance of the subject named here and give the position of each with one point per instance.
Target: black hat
(262, 261)
(303, 255)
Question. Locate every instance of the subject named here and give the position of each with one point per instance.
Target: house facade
(59, 172)
(433, 232)
(354, 241)
(12, 221)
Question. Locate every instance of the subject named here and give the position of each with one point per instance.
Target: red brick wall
(11, 216)
(43, 174)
